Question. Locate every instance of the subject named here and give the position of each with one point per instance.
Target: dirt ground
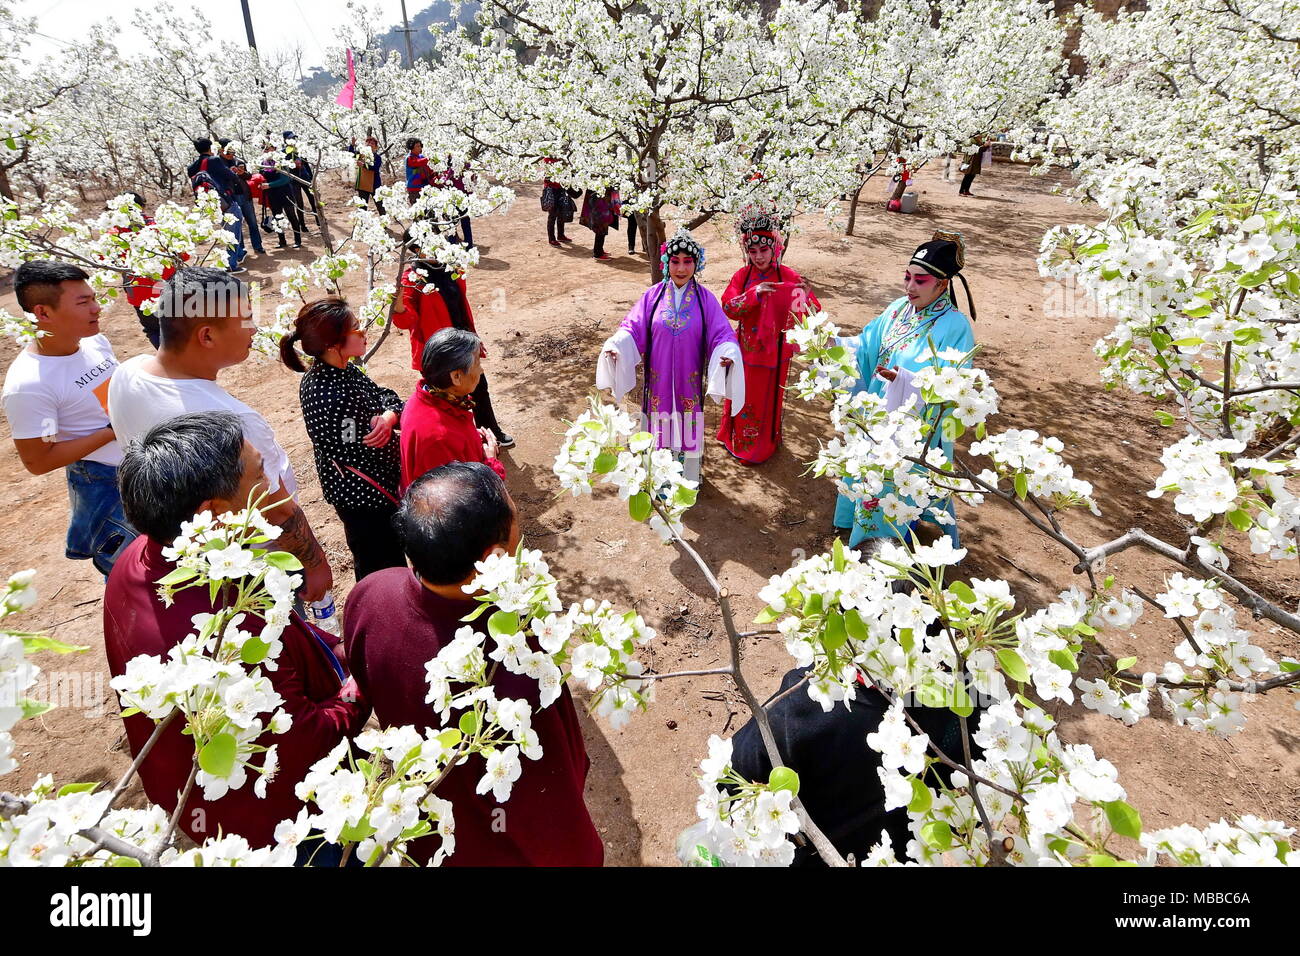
(543, 313)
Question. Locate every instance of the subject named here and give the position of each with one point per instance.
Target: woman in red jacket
(763, 299)
(429, 300)
(438, 420)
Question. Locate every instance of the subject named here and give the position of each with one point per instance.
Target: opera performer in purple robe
(678, 331)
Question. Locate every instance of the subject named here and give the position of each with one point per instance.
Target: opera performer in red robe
(764, 299)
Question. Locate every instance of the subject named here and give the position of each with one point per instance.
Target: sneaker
(505, 441)
(555, 242)
(565, 239)
(602, 257)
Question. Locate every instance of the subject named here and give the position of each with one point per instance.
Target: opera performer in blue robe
(892, 349)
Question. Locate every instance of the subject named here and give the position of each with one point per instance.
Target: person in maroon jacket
(192, 463)
(438, 420)
(398, 619)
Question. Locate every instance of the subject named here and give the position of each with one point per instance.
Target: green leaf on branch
(1123, 819)
(1240, 520)
(783, 778)
(39, 642)
(937, 834)
(963, 591)
(33, 708)
(1102, 859)
(836, 635)
(254, 651)
(468, 723)
(475, 614)
(1248, 336)
(1064, 659)
(1289, 667)
(961, 703)
(68, 788)
(922, 799)
(449, 737)
(854, 625)
(1200, 312)
(1022, 485)
(284, 561)
(1165, 419)
(1124, 663)
(1013, 665)
(639, 507)
(767, 616)
(177, 576)
(218, 756)
(686, 497)
(503, 624)
(605, 463)
(1189, 342)
(356, 832)
(837, 554)
(1161, 341)
(813, 605)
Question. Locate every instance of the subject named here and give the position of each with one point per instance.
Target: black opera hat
(943, 256)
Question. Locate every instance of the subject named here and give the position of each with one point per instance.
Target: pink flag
(350, 87)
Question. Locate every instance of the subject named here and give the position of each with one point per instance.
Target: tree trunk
(853, 209)
(5, 189)
(654, 232)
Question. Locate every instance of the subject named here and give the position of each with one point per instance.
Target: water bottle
(323, 615)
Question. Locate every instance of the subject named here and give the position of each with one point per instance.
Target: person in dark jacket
(302, 193)
(243, 196)
(214, 168)
(397, 620)
(350, 421)
(369, 177)
(277, 196)
(191, 463)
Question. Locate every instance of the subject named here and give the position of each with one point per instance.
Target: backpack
(202, 179)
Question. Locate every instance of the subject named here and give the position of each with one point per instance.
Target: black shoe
(505, 441)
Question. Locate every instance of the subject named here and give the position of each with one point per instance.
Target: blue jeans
(236, 229)
(98, 530)
(250, 224)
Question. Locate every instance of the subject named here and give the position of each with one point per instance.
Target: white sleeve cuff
(727, 383)
(618, 375)
(902, 392)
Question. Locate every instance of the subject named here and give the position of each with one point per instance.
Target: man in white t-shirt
(56, 400)
(205, 325)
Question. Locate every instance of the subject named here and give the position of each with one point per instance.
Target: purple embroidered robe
(677, 344)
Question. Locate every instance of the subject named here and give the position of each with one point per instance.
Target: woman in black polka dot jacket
(350, 421)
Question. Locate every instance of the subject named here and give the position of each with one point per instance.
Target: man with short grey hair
(205, 321)
(188, 464)
(438, 420)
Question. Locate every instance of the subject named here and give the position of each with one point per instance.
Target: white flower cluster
(382, 802)
(17, 673)
(1035, 467)
(741, 823)
(605, 442)
(968, 392)
(1249, 842)
(591, 642)
(830, 366)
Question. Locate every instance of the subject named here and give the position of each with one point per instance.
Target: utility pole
(252, 45)
(406, 31)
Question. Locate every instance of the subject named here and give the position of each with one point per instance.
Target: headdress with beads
(682, 243)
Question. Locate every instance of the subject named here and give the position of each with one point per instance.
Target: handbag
(548, 198)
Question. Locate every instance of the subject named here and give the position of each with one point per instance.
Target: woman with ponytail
(350, 422)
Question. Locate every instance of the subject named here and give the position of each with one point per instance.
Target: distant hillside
(319, 80)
